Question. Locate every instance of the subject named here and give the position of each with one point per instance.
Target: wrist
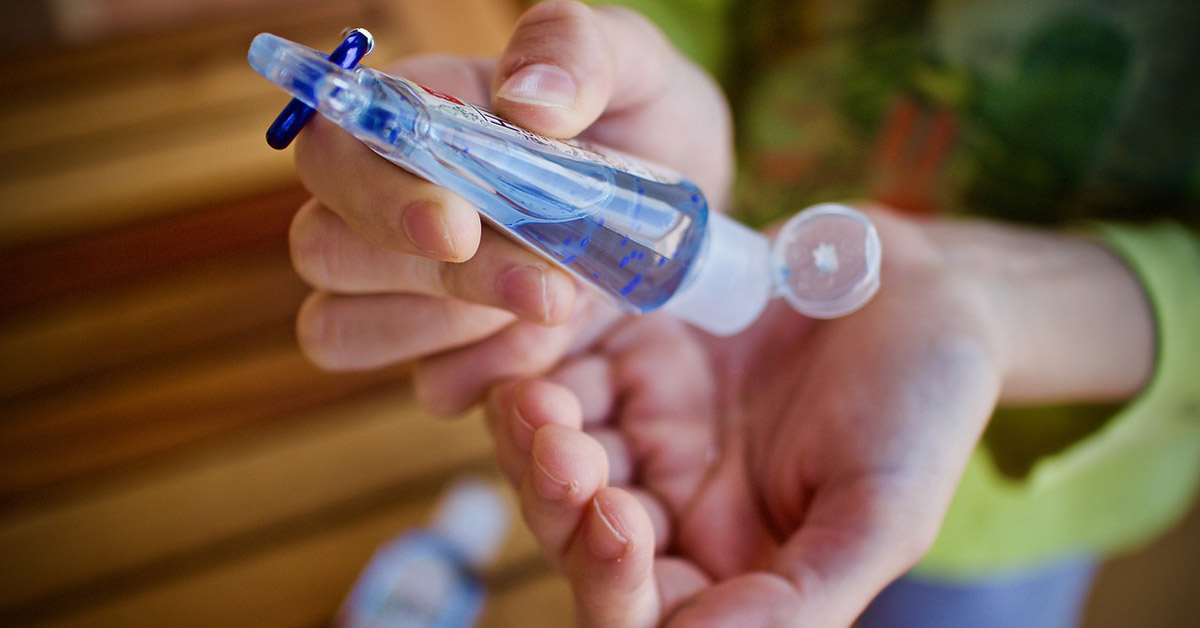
(1067, 317)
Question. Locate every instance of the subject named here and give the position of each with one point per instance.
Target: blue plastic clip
(357, 43)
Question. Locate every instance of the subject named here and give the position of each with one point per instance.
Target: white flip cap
(825, 261)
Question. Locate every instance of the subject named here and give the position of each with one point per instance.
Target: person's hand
(780, 478)
(783, 477)
(402, 268)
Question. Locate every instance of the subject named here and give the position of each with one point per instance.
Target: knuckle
(435, 394)
(545, 31)
(534, 348)
(318, 334)
(314, 256)
(465, 323)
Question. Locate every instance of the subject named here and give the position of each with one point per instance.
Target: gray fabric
(1051, 596)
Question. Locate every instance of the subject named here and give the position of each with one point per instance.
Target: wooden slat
(174, 516)
(184, 94)
(69, 339)
(468, 27)
(300, 586)
(107, 136)
(230, 163)
(79, 267)
(295, 586)
(99, 426)
(132, 140)
(167, 456)
(542, 602)
(45, 74)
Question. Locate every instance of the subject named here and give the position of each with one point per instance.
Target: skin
(778, 478)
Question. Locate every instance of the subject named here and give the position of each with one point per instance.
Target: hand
(403, 268)
(780, 478)
(785, 476)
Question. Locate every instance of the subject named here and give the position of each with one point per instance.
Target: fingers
(565, 469)
(355, 333)
(384, 204)
(678, 581)
(601, 537)
(569, 67)
(331, 256)
(450, 382)
(611, 563)
(566, 63)
(604, 539)
(516, 410)
(857, 538)
(667, 398)
(590, 378)
(754, 600)
(536, 427)
(616, 449)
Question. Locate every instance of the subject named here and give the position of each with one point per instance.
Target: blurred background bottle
(429, 578)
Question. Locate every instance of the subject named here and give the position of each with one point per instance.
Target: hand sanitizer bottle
(640, 234)
(429, 578)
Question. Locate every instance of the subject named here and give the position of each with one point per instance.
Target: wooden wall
(167, 456)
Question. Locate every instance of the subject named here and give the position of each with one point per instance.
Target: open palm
(780, 478)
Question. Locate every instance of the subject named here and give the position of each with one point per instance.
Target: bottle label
(575, 148)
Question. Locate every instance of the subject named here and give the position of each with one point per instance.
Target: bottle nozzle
(304, 73)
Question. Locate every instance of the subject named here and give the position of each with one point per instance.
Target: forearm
(1071, 320)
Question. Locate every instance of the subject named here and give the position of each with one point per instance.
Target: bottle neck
(729, 284)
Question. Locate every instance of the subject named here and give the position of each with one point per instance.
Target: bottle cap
(825, 261)
(473, 517)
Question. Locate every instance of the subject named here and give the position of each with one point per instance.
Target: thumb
(567, 63)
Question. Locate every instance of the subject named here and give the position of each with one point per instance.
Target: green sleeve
(1120, 485)
(697, 27)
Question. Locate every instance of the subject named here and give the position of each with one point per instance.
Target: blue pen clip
(357, 43)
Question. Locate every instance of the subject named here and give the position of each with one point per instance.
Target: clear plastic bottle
(642, 235)
(428, 578)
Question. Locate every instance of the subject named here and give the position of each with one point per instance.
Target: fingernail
(604, 539)
(522, 431)
(549, 485)
(425, 226)
(540, 84)
(525, 290)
